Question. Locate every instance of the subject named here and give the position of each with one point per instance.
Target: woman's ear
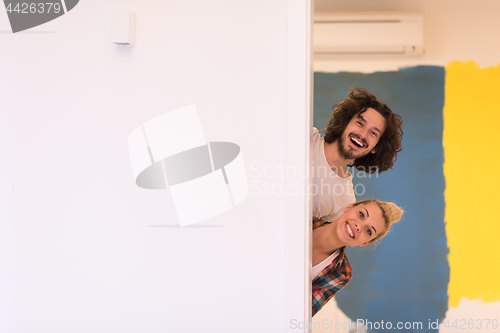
(349, 206)
(365, 244)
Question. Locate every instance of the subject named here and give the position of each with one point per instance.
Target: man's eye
(374, 134)
(359, 123)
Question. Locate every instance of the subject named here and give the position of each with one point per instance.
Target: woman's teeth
(349, 231)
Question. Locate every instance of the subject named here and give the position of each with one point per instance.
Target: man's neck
(335, 161)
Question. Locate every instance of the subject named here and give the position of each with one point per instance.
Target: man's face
(361, 134)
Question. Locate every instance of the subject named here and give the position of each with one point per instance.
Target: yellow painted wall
(471, 142)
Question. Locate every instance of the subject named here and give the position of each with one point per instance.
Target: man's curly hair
(389, 144)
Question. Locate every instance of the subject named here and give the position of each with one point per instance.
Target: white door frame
(298, 127)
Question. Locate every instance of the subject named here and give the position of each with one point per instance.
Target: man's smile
(357, 142)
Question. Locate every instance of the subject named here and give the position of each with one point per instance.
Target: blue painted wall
(404, 278)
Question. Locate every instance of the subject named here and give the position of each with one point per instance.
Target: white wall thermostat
(123, 32)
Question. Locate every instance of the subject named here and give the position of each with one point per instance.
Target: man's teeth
(349, 231)
(356, 141)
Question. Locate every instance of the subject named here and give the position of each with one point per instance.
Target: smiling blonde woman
(362, 223)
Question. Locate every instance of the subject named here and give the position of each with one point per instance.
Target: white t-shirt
(321, 266)
(331, 193)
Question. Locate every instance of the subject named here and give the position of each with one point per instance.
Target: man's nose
(364, 133)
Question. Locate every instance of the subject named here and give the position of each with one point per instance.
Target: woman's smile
(350, 231)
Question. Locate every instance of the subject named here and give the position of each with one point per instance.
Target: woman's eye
(361, 215)
(369, 232)
(359, 123)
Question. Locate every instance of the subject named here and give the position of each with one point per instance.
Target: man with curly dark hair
(364, 133)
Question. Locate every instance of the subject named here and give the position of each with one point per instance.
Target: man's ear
(374, 150)
(349, 206)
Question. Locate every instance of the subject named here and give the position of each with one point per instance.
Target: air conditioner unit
(368, 34)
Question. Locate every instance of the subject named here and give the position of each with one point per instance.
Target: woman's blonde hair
(390, 212)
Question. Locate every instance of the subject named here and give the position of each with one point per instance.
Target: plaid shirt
(332, 278)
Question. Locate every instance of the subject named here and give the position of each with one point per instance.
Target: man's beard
(347, 154)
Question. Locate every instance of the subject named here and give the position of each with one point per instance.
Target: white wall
(82, 248)
(453, 30)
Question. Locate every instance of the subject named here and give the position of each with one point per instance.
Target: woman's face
(360, 224)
